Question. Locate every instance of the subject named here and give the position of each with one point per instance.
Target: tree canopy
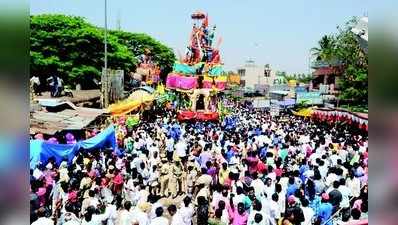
(344, 48)
(72, 48)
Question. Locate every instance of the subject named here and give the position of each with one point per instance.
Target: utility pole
(309, 62)
(105, 78)
(118, 22)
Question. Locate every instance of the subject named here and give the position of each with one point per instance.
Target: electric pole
(105, 80)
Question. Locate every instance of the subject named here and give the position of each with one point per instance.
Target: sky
(279, 33)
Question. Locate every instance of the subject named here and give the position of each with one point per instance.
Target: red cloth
(261, 167)
(72, 196)
(201, 116)
(278, 172)
(118, 179)
(252, 162)
(118, 183)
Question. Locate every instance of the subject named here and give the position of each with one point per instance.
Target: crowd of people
(261, 170)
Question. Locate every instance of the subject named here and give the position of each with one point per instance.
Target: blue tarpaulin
(41, 151)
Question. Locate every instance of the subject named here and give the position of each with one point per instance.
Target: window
(266, 72)
(242, 72)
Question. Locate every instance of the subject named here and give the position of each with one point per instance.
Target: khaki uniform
(194, 166)
(184, 188)
(164, 178)
(190, 183)
(176, 179)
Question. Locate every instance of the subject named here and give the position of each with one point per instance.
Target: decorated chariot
(198, 75)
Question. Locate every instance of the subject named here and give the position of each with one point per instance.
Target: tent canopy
(304, 112)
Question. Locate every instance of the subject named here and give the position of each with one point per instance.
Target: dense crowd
(256, 170)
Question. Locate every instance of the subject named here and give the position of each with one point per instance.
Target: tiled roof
(328, 70)
(74, 118)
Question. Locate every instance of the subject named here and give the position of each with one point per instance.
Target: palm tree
(326, 50)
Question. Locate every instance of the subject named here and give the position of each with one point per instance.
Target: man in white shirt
(170, 147)
(35, 82)
(257, 184)
(90, 201)
(42, 219)
(258, 209)
(137, 214)
(333, 158)
(176, 218)
(111, 212)
(345, 193)
(181, 149)
(159, 219)
(308, 212)
(275, 211)
(124, 216)
(152, 149)
(269, 188)
(186, 211)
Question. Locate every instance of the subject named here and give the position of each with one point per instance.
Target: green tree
(326, 49)
(162, 55)
(354, 82)
(345, 49)
(73, 49)
(290, 77)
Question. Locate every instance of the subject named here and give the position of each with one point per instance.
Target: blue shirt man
(325, 210)
(291, 189)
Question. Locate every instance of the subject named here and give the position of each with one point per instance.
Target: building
(255, 77)
(52, 116)
(327, 74)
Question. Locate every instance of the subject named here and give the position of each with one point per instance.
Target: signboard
(261, 103)
(300, 89)
(279, 87)
(287, 102)
(310, 98)
(323, 88)
(274, 111)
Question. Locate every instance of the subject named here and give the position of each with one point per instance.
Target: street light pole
(106, 30)
(104, 77)
(309, 62)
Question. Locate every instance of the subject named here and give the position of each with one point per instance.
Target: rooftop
(57, 115)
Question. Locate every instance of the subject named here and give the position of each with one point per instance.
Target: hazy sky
(276, 32)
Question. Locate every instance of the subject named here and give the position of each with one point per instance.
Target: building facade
(256, 77)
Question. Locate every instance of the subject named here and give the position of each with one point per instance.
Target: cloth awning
(304, 112)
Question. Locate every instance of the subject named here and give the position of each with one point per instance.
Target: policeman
(192, 162)
(164, 177)
(176, 181)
